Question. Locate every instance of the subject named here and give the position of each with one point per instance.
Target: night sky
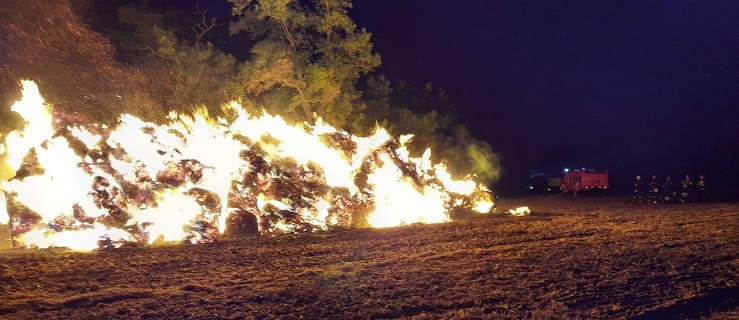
(637, 87)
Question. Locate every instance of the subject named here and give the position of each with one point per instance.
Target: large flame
(38, 124)
(398, 201)
(4, 218)
(83, 187)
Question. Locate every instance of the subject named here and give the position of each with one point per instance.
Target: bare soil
(587, 258)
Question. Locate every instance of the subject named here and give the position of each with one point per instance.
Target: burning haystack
(196, 178)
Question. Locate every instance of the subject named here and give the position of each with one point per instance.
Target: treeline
(298, 59)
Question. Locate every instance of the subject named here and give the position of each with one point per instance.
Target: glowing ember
(520, 211)
(86, 187)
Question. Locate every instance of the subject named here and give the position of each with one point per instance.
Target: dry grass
(572, 258)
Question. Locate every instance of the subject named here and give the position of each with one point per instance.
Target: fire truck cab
(585, 180)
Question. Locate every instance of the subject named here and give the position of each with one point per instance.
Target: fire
(4, 218)
(484, 202)
(101, 185)
(520, 211)
(398, 201)
(79, 240)
(38, 124)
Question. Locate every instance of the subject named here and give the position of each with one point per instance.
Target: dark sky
(631, 86)
(636, 87)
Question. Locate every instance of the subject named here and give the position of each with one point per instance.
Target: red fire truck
(578, 181)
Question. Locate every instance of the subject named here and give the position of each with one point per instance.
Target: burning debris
(519, 212)
(196, 178)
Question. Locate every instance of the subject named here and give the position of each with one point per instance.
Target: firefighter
(668, 191)
(638, 195)
(653, 189)
(686, 186)
(700, 187)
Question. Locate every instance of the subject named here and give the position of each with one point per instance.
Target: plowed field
(572, 258)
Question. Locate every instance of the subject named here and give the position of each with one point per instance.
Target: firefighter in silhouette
(638, 195)
(668, 191)
(653, 189)
(700, 188)
(686, 186)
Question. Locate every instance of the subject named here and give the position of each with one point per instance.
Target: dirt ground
(589, 258)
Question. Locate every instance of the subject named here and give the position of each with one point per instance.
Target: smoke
(466, 155)
(484, 162)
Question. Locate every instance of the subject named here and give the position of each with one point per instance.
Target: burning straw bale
(139, 181)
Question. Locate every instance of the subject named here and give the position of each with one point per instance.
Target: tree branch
(289, 35)
(202, 26)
